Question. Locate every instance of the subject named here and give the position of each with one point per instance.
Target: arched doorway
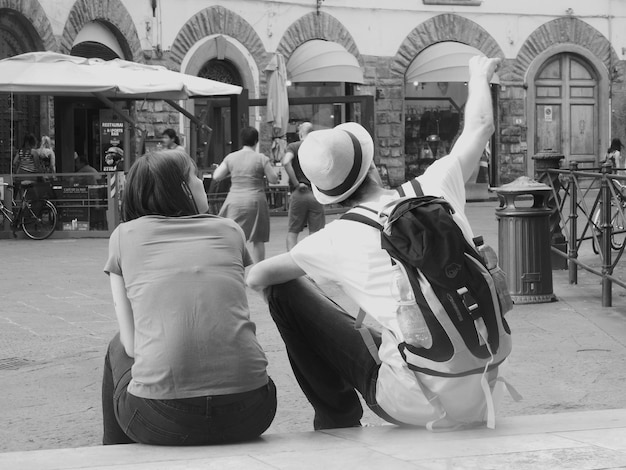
(19, 114)
(218, 118)
(566, 111)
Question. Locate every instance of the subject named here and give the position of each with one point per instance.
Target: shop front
(97, 138)
(322, 81)
(435, 96)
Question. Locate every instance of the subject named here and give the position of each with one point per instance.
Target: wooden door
(566, 109)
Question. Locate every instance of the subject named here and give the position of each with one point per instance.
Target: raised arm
(479, 125)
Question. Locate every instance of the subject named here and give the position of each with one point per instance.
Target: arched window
(221, 71)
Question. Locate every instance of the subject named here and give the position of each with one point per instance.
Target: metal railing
(590, 207)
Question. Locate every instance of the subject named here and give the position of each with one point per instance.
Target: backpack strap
(368, 339)
(363, 214)
(411, 188)
(366, 216)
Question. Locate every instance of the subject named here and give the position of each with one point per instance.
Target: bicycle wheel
(618, 228)
(39, 220)
(596, 229)
(618, 225)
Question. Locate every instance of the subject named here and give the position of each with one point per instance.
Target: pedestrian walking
(304, 209)
(246, 202)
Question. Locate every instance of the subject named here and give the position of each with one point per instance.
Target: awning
(443, 62)
(323, 61)
(49, 73)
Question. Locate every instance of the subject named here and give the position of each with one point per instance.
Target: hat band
(353, 175)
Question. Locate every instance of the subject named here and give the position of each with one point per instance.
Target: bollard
(524, 240)
(572, 252)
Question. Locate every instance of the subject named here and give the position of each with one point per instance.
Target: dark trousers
(190, 421)
(327, 354)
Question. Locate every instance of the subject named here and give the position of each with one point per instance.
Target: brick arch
(317, 26)
(217, 20)
(111, 12)
(446, 27)
(41, 32)
(561, 32)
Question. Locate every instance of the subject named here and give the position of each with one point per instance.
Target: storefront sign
(112, 129)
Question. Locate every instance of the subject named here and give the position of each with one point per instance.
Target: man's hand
(481, 66)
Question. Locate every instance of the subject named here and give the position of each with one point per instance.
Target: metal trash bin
(524, 240)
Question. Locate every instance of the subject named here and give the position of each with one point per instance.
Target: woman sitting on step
(186, 367)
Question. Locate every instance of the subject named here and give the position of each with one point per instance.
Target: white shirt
(349, 254)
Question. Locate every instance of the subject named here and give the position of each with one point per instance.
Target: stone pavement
(56, 318)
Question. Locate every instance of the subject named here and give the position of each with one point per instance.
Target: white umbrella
(50, 73)
(277, 104)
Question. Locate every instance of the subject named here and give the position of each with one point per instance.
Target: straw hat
(336, 161)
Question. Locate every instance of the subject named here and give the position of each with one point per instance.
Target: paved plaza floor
(56, 319)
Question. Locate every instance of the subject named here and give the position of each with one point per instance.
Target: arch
(221, 46)
(213, 22)
(445, 27)
(562, 33)
(317, 26)
(111, 13)
(36, 22)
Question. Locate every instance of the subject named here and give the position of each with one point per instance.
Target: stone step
(574, 440)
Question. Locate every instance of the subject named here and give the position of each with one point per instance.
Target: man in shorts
(304, 209)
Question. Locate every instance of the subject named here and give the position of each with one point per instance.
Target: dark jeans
(189, 421)
(327, 354)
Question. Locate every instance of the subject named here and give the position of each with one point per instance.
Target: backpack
(456, 294)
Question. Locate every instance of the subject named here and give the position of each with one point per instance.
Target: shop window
(432, 122)
(221, 71)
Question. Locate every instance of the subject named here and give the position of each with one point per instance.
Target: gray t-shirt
(184, 278)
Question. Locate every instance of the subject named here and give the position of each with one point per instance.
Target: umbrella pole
(12, 141)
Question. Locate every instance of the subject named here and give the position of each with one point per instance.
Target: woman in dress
(186, 367)
(246, 202)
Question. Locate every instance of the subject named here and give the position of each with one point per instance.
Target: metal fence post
(572, 252)
(605, 220)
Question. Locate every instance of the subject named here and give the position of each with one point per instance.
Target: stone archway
(112, 13)
(317, 26)
(38, 25)
(568, 37)
(24, 27)
(214, 21)
(446, 27)
(560, 32)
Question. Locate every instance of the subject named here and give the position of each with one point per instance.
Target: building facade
(396, 66)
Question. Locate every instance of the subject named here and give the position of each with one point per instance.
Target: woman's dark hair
(157, 185)
(616, 144)
(171, 133)
(249, 136)
(29, 140)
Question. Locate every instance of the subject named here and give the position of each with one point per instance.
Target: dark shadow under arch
(445, 27)
(114, 15)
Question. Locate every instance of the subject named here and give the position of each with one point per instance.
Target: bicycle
(36, 217)
(618, 221)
